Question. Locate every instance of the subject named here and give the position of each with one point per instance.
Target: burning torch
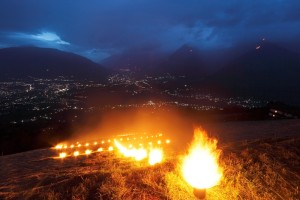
(200, 167)
(200, 193)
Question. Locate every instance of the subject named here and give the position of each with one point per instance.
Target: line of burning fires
(150, 147)
(200, 166)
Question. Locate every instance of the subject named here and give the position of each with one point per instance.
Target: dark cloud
(100, 28)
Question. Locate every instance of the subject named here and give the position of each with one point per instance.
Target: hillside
(266, 71)
(21, 62)
(186, 61)
(256, 168)
(137, 60)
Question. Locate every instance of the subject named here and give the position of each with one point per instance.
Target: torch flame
(100, 149)
(88, 152)
(200, 167)
(76, 153)
(59, 146)
(155, 156)
(63, 155)
(137, 154)
(110, 148)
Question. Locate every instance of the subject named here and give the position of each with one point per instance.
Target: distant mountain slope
(134, 60)
(21, 62)
(267, 69)
(186, 61)
(267, 66)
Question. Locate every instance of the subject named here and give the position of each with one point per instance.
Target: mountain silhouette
(186, 61)
(21, 62)
(267, 69)
(138, 60)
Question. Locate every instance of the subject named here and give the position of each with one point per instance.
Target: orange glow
(63, 155)
(100, 149)
(155, 156)
(137, 154)
(142, 146)
(168, 141)
(59, 146)
(140, 154)
(200, 167)
(76, 153)
(88, 152)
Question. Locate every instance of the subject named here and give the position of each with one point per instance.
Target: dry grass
(265, 169)
(260, 169)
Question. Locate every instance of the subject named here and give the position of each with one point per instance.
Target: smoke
(172, 123)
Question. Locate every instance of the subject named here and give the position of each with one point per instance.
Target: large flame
(200, 167)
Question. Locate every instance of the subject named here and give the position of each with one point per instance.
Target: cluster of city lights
(138, 147)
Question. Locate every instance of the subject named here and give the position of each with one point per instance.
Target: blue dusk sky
(98, 29)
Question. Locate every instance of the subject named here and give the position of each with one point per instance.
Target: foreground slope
(253, 169)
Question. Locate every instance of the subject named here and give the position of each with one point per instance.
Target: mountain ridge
(267, 69)
(186, 60)
(21, 62)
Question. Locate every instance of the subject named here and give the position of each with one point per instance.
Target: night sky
(98, 29)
